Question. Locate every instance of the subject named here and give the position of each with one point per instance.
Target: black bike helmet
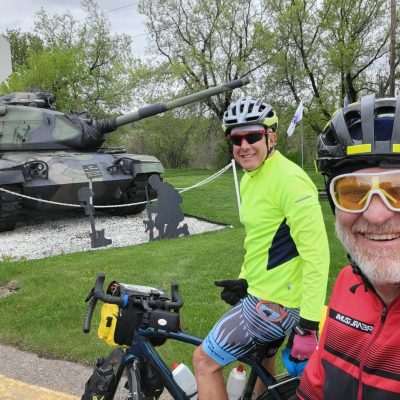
(249, 111)
(363, 134)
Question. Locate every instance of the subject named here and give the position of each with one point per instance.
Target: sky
(122, 14)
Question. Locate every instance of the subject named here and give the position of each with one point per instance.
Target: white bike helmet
(249, 111)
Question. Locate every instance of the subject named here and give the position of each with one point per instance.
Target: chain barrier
(180, 190)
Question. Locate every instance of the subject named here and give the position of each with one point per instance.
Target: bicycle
(147, 318)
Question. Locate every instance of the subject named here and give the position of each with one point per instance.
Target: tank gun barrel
(153, 109)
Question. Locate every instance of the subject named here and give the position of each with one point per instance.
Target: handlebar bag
(108, 321)
(128, 321)
(118, 325)
(166, 320)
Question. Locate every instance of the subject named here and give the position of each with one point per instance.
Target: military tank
(50, 155)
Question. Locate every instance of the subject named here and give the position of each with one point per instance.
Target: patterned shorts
(251, 323)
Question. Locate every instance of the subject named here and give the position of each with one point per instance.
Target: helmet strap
(331, 203)
(270, 149)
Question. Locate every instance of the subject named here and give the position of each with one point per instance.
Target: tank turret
(50, 155)
(28, 121)
(39, 99)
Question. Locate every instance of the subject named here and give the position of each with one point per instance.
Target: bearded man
(358, 356)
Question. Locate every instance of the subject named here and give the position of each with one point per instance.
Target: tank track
(10, 207)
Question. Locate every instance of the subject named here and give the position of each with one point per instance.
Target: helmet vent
(231, 121)
(389, 110)
(330, 139)
(352, 117)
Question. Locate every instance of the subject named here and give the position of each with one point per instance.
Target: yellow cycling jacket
(286, 248)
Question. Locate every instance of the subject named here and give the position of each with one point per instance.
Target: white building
(5, 58)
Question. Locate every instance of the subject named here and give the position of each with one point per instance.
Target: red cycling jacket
(358, 356)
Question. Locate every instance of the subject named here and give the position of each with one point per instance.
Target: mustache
(389, 227)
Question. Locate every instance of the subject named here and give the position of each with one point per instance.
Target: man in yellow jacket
(282, 283)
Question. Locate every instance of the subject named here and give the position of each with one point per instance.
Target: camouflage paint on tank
(30, 128)
(70, 169)
(51, 155)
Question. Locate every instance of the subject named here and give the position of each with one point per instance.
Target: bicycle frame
(142, 349)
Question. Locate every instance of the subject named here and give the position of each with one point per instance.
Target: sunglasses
(353, 192)
(250, 137)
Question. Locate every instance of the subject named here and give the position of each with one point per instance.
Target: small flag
(298, 116)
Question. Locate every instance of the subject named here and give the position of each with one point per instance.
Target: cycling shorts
(250, 324)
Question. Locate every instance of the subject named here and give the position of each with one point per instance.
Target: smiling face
(251, 155)
(372, 238)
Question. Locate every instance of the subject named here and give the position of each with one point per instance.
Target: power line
(120, 8)
(123, 8)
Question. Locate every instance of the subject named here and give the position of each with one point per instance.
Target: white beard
(379, 268)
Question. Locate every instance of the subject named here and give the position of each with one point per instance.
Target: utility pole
(392, 59)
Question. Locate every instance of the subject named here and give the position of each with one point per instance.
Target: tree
(177, 139)
(392, 57)
(323, 51)
(21, 44)
(317, 51)
(358, 37)
(57, 71)
(85, 66)
(206, 42)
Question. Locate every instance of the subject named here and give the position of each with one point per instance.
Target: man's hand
(304, 343)
(233, 290)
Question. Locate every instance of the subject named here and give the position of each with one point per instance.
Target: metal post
(392, 52)
(235, 178)
(302, 144)
(90, 205)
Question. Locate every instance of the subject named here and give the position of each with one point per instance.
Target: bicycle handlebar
(97, 293)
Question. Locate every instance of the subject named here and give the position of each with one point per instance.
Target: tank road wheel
(10, 206)
(135, 193)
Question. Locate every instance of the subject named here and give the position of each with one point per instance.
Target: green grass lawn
(46, 315)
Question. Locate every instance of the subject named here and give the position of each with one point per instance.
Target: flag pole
(298, 118)
(302, 144)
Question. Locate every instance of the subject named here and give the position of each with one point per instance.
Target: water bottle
(236, 382)
(184, 377)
